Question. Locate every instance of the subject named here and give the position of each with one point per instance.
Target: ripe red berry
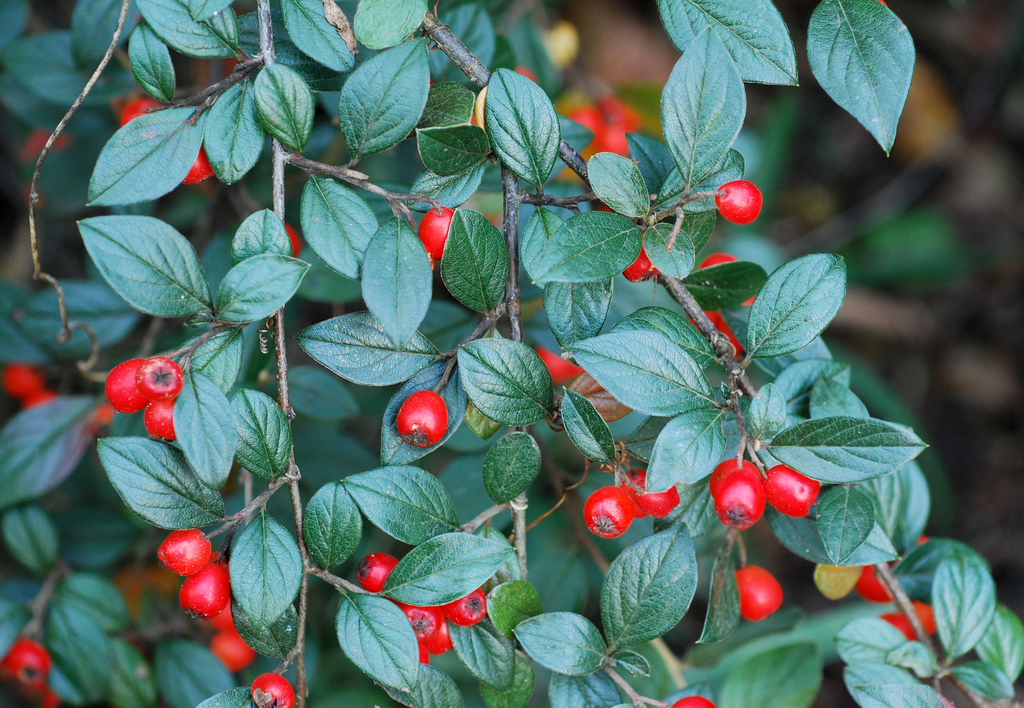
(293, 236)
(527, 72)
(468, 610)
(693, 702)
(561, 370)
(27, 662)
(789, 491)
(433, 231)
(184, 552)
(206, 594)
(272, 691)
(224, 621)
(424, 654)
(608, 512)
(200, 170)
(231, 649)
(49, 699)
(727, 467)
(927, 616)
(639, 478)
(717, 259)
(373, 570)
(619, 119)
(38, 398)
(760, 593)
(870, 587)
(425, 621)
(591, 118)
(640, 269)
(739, 501)
(121, 390)
(136, 108)
(659, 504)
(439, 642)
(738, 202)
(22, 380)
(901, 623)
(422, 419)
(159, 420)
(158, 378)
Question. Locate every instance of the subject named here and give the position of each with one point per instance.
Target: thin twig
(548, 200)
(906, 606)
(234, 520)
(202, 100)
(635, 698)
(338, 583)
(37, 606)
(483, 517)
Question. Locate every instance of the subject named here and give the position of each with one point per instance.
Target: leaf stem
(635, 698)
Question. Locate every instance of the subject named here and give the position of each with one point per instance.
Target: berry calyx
(38, 398)
(425, 621)
(468, 610)
(231, 649)
(159, 378)
(641, 269)
(790, 492)
(739, 501)
(206, 594)
(422, 419)
(870, 587)
(561, 370)
(22, 380)
(159, 420)
(122, 392)
(184, 552)
(200, 170)
(136, 108)
(608, 512)
(272, 691)
(738, 201)
(433, 231)
(439, 642)
(27, 662)
(373, 570)
(293, 236)
(693, 702)
(760, 593)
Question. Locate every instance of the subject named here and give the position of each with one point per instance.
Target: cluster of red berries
(609, 121)
(740, 493)
(422, 419)
(27, 383)
(27, 665)
(609, 511)
(153, 384)
(201, 169)
(430, 624)
(872, 589)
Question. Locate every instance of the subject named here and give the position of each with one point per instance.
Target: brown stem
(41, 601)
(338, 583)
(202, 100)
(635, 698)
(548, 200)
(185, 353)
(235, 519)
(482, 518)
(906, 606)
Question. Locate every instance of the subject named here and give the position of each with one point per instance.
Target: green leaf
(985, 680)
(79, 651)
(452, 150)
(577, 311)
(511, 603)
(132, 683)
(511, 465)
(451, 190)
(964, 599)
(881, 686)
(205, 9)
(786, 677)
(831, 398)
(220, 358)
(916, 657)
(754, 34)
(863, 56)
(284, 104)
(633, 663)
(723, 599)
(338, 225)
(586, 428)
(801, 536)
(356, 348)
(868, 640)
(591, 246)
(595, 690)
(917, 569)
(151, 63)
(292, 53)
(258, 287)
(397, 281)
(537, 235)
(264, 438)
(902, 502)
(92, 24)
(94, 598)
(640, 442)
(205, 429)
(645, 371)
(506, 381)
(653, 159)
(522, 687)
(187, 673)
(319, 395)
(845, 450)
(767, 413)
(155, 481)
(266, 570)
(679, 260)
(795, 305)
(489, 655)
(234, 698)
(448, 103)
(315, 37)
(234, 135)
(433, 689)
(522, 125)
(30, 537)
(797, 379)
(668, 323)
(687, 449)
(332, 526)
(149, 264)
(845, 520)
(725, 285)
(475, 263)
(276, 640)
(376, 636)
(13, 616)
(445, 568)
(702, 107)
(393, 450)
(173, 23)
(619, 184)
(648, 587)
(563, 642)
(383, 98)
(403, 502)
(731, 167)
(261, 232)
(471, 23)
(384, 23)
(1002, 645)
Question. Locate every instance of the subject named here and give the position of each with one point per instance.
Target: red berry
(22, 380)
(640, 269)
(693, 702)
(373, 570)
(717, 259)
(103, 416)
(49, 699)
(608, 512)
(201, 169)
(27, 662)
(739, 501)
(159, 379)
(159, 420)
(901, 623)
(121, 390)
(293, 236)
(422, 419)
(425, 621)
(231, 649)
(561, 370)
(722, 326)
(184, 552)
(789, 491)
(439, 642)
(433, 231)
(38, 398)
(927, 616)
(725, 468)
(468, 610)
(136, 108)
(224, 621)
(659, 504)
(619, 119)
(760, 593)
(206, 594)
(591, 118)
(738, 202)
(639, 478)
(870, 587)
(272, 691)
(525, 71)
(424, 654)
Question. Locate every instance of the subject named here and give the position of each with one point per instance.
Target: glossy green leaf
(448, 103)
(262, 232)
(902, 503)
(868, 641)
(403, 502)
(801, 536)
(220, 358)
(725, 285)
(393, 450)
(831, 398)
(577, 311)
(314, 36)
(95, 598)
(767, 413)
(433, 689)
(132, 683)
(522, 125)
(397, 281)
(687, 449)
(678, 261)
(984, 680)
(205, 429)
(591, 246)
(338, 225)
(1002, 645)
(295, 53)
(964, 600)
(234, 698)
(522, 687)
(563, 642)
(187, 673)
(513, 602)
(376, 636)
(668, 323)
(590, 691)
(317, 394)
(489, 655)
(264, 438)
(234, 135)
(275, 640)
(285, 105)
(92, 25)
(475, 264)
(845, 520)
(332, 526)
(266, 570)
(640, 442)
(882, 686)
(472, 24)
(729, 168)
(384, 23)
(258, 287)
(151, 63)
(79, 650)
(512, 463)
(786, 677)
(451, 190)
(538, 234)
(619, 184)
(173, 23)
(723, 599)
(452, 150)
(586, 428)
(30, 537)
(506, 381)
